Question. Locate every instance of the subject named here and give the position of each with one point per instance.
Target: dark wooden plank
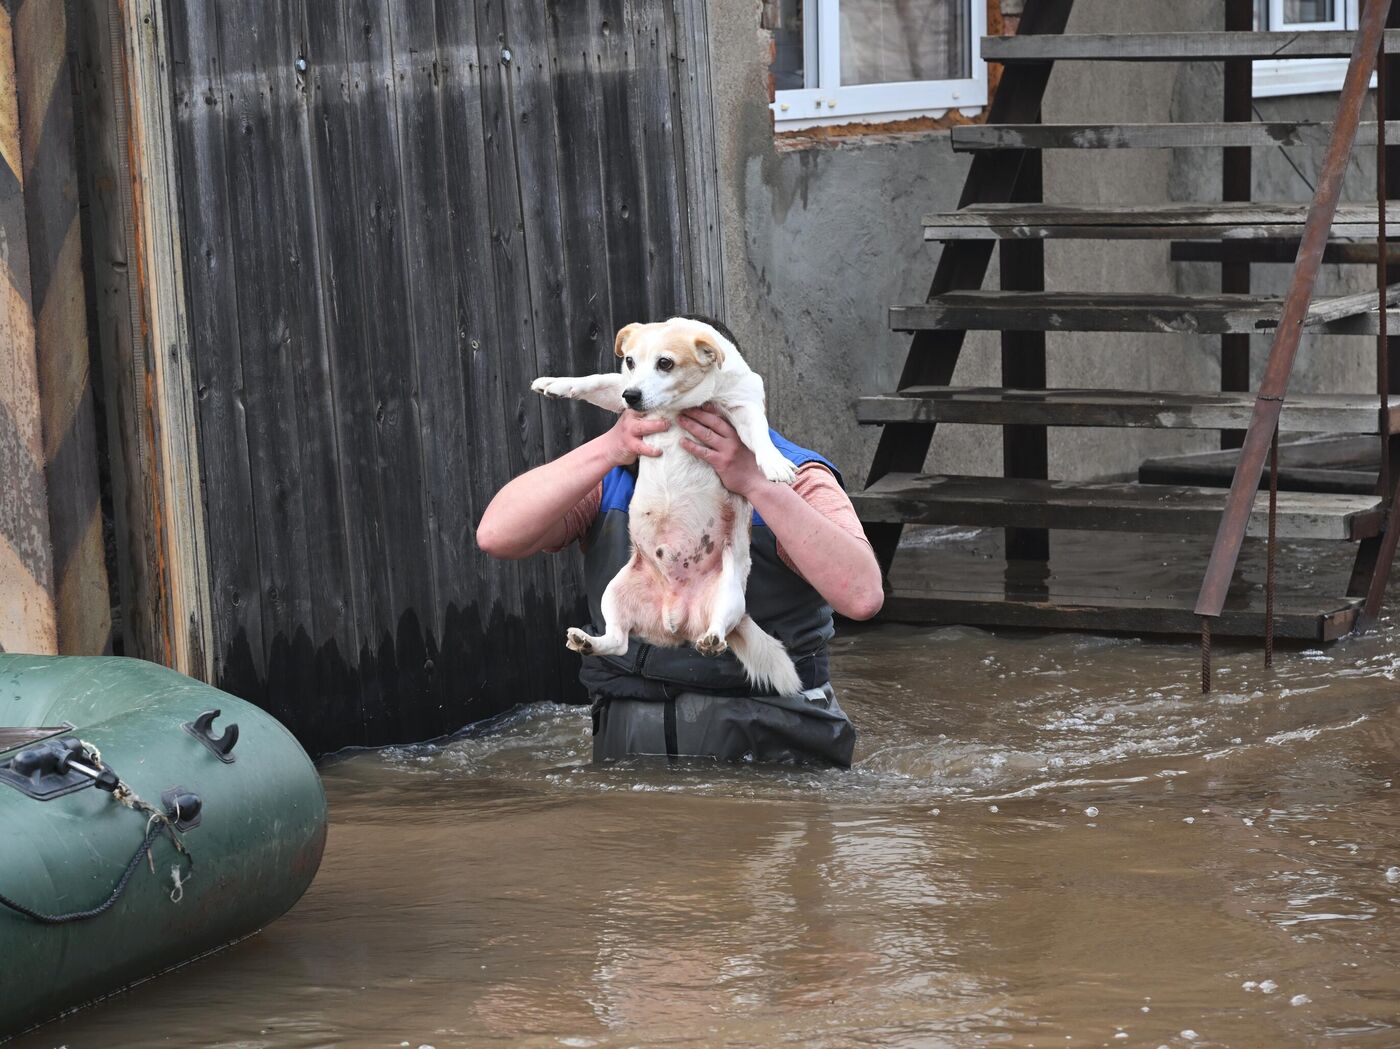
(391, 670)
(697, 155)
(522, 422)
(1148, 614)
(622, 175)
(991, 177)
(952, 500)
(1174, 47)
(1167, 313)
(968, 138)
(649, 85)
(550, 259)
(418, 60)
(1338, 413)
(270, 334)
(486, 608)
(333, 83)
(1176, 220)
(207, 130)
(334, 627)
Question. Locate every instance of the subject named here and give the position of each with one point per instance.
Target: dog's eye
(629, 364)
(664, 364)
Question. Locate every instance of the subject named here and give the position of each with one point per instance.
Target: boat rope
(105, 905)
(157, 823)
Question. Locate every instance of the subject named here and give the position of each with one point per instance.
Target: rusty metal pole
(1205, 654)
(1239, 505)
(1272, 569)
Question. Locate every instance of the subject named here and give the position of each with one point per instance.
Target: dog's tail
(764, 658)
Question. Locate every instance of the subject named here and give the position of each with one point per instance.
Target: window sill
(784, 122)
(1300, 76)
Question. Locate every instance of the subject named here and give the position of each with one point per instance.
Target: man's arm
(840, 566)
(527, 515)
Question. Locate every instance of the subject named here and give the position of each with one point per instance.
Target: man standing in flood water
(810, 556)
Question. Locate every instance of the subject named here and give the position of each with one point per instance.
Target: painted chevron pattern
(53, 580)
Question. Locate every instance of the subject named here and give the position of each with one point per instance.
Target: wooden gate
(394, 215)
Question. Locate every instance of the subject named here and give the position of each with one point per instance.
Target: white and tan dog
(685, 580)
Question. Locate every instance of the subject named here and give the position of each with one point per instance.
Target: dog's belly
(678, 560)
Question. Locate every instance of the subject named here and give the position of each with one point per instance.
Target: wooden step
(968, 138)
(1294, 618)
(1339, 464)
(1213, 314)
(1243, 220)
(1334, 413)
(1119, 507)
(1173, 47)
(1283, 252)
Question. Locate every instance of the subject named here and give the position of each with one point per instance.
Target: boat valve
(202, 729)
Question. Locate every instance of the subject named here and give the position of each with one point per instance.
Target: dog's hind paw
(579, 642)
(711, 645)
(776, 468)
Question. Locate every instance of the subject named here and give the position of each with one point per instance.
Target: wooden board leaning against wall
(383, 219)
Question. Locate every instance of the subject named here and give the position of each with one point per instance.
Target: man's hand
(625, 438)
(715, 441)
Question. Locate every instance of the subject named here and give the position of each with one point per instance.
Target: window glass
(891, 41)
(789, 69)
(1296, 11)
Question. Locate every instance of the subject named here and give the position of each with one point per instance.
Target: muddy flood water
(1047, 841)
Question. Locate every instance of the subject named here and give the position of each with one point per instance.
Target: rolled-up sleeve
(821, 491)
(578, 519)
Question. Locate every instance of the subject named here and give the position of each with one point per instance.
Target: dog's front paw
(579, 642)
(776, 468)
(551, 387)
(711, 645)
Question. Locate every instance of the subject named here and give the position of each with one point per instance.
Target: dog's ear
(620, 343)
(708, 350)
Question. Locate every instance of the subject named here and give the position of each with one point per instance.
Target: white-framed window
(1302, 76)
(875, 61)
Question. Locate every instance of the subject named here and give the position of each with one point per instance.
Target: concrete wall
(820, 240)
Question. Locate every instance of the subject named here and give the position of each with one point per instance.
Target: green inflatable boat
(145, 819)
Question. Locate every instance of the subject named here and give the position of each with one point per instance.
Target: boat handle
(202, 729)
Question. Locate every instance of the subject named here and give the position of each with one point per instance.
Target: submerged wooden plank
(967, 138)
(1177, 220)
(954, 500)
(1168, 313)
(1316, 464)
(1174, 47)
(1295, 619)
(1340, 413)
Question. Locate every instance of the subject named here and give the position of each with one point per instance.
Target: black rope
(157, 826)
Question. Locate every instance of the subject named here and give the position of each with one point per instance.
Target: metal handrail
(1263, 425)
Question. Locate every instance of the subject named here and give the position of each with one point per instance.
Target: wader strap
(668, 715)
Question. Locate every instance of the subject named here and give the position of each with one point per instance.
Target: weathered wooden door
(397, 213)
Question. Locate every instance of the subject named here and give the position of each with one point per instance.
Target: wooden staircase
(1001, 212)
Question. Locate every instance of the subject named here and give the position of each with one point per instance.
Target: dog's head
(671, 365)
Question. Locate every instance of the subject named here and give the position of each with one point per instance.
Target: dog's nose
(633, 397)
